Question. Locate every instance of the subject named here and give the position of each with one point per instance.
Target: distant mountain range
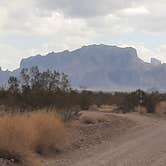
(100, 67)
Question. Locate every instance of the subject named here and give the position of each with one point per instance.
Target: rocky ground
(86, 137)
(122, 140)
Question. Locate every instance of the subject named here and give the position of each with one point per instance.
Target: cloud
(10, 56)
(135, 11)
(148, 18)
(39, 26)
(86, 8)
(28, 16)
(146, 53)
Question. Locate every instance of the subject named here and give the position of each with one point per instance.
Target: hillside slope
(102, 67)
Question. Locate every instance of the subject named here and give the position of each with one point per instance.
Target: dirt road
(144, 145)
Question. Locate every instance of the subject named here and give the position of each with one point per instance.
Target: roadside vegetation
(35, 89)
(51, 90)
(24, 136)
(141, 99)
(35, 107)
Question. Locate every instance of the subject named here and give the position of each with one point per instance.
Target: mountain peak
(155, 62)
(100, 67)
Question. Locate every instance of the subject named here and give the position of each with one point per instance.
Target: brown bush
(93, 108)
(140, 109)
(87, 119)
(50, 131)
(92, 117)
(22, 135)
(161, 108)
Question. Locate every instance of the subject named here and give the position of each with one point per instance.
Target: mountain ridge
(100, 67)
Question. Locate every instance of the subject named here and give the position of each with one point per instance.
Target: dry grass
(140, 109)
(50, 132)
(92, 117)
(107, 108)
(22, 136)
(93, 108)
(161, 108)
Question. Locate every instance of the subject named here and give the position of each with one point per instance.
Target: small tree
(132, 100)
(25, 80)
(85, 100)
(35, 78)
(64, 82)
(151, 101)
(13, 85)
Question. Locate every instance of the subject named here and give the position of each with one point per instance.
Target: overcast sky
(29, 27)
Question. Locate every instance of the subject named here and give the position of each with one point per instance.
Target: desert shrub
(50, 131)
(141, 99)
(69, 113)
(16, 139)
(92, 117)
(130, 101)
(35, 89)
(85, 100)
(87, 119)
(23, 135)
(140, 109)
(151, 101)
(161, 108)
(94, 108)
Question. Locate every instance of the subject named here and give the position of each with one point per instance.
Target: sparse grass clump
(92, 117)
(161, 108)
(140, 109)
(22, 136)
(50, 132)
(87, 119)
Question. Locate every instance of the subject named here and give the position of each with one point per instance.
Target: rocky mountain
(101, 67)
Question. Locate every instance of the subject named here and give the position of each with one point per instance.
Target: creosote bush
(140, 98)
(36, 89)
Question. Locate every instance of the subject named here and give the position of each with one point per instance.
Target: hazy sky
(29, 27)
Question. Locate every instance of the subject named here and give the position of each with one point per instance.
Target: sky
(30, 27)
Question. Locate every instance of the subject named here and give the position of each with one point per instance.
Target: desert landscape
(44, 121)
(82, 83)
(95, 137)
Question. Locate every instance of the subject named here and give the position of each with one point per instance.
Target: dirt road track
(141, 147)
(144, 145)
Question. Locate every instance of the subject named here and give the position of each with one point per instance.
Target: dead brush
(50, 132)
(24, 135)
(92, 117)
